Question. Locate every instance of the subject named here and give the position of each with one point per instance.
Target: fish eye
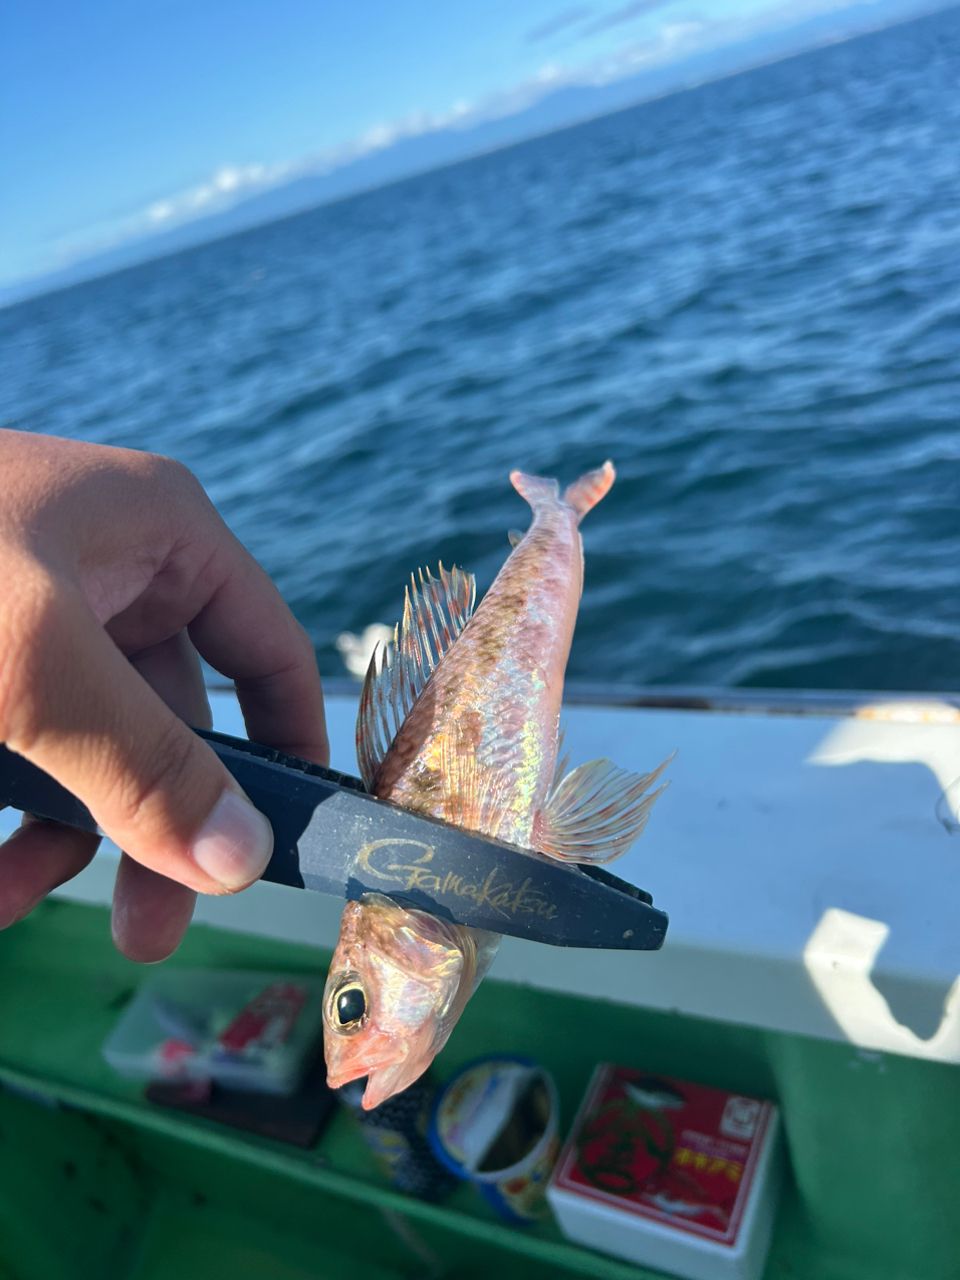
(348, 1005)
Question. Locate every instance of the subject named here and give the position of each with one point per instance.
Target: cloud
(231, 183)
(626, 13)
(671, 42)
(224, 187)
(559, 22)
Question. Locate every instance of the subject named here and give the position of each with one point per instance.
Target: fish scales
(499, 688)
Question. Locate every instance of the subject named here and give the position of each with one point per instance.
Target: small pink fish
(459, 719)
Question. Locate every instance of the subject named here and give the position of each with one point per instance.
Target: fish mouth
(383, 1084)
(383, 1081)
(363, 1066)
(336, 1080)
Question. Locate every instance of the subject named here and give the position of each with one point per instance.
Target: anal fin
(596, 811)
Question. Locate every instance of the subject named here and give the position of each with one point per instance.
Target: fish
(459, 719)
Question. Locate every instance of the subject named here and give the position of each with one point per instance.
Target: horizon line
(12, 296)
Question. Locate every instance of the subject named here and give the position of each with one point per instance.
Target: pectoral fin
(596, 812)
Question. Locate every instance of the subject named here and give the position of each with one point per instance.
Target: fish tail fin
(584, 494)
(535, 489)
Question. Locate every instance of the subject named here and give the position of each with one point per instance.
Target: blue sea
(747, 295)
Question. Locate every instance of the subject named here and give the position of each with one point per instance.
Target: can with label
(495, 1125)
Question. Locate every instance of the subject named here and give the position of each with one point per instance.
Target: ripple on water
(747, 295)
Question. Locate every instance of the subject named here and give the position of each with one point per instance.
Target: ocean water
(747, 295)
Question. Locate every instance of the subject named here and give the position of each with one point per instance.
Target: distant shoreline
(143, 251)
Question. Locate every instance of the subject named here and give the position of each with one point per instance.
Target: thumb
(72, 704)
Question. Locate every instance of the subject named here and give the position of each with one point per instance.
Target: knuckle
(175, 471)
(182, 492)
(166, 476)
(178, 475)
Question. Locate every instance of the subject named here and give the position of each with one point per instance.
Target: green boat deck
(98, 1183)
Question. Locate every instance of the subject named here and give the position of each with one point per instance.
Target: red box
(670, 1174)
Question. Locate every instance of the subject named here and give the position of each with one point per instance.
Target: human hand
(116, 571)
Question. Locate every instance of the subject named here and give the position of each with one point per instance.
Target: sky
(122, 117)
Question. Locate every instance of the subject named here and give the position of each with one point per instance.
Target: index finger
(247, 632)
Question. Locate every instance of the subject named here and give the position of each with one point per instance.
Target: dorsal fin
(435, 611)
(514, 537)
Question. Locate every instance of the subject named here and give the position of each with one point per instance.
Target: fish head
(391, 996)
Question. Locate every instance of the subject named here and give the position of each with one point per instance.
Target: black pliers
(331, 836)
